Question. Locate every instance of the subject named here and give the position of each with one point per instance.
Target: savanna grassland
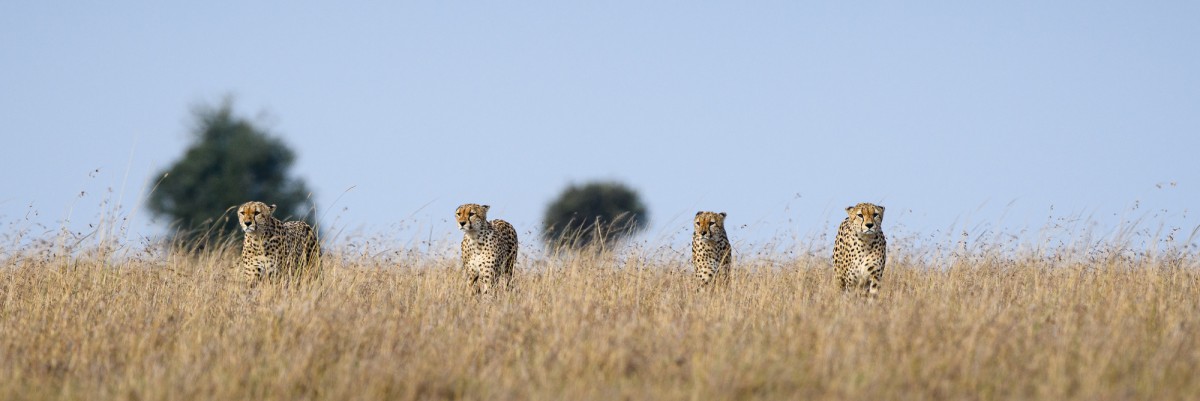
(182, 325)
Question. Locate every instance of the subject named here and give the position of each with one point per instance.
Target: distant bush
(597, 213)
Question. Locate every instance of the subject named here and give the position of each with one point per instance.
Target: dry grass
(601, 327)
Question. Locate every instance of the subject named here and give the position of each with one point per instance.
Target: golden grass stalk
(601, 325)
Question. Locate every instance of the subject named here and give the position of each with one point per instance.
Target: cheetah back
(506, 246)
(305, 249)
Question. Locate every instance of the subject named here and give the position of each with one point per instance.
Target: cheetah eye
(860, 215)
(256, 213)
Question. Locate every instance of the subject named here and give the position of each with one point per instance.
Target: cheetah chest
(706, 256)
(864, 260)
(259, 256)
(709, 255)
(858, 272)
(482, 255)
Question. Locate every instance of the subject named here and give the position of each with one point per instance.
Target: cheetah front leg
(704, 276)
(874, 279)
(273, 268)
(255, 275)
(261, 269)
(843, 277)
(470, 273)
(472, 278)
(486, 281)
(724, 272)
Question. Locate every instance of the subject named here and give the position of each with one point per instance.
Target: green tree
(597, 213)
(231, 161)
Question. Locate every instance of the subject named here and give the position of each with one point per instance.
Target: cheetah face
(866, 219)
(710, 225)
(252, 214)
(470, 217)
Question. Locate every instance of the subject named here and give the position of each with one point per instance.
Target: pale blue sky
(780, 113)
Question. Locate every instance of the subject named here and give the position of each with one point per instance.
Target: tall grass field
(1096, 323)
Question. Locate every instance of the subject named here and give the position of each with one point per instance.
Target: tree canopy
(230, 161)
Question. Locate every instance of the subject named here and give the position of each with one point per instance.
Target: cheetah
(860, 252)
(711, 253)
(489, 248)
(275, 250)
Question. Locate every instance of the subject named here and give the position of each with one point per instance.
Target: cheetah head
(251, 215)
(866, 219)
(710, 225)
(471, 217)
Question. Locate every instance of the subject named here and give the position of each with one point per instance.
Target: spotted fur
(274, 250)
(712, 255)
(489, 248)
(860, 253)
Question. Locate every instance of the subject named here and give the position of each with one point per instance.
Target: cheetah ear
(699, 213)
(850, 210)
(485, 207)
(879, 209)
(722, 214)
(272, 208)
